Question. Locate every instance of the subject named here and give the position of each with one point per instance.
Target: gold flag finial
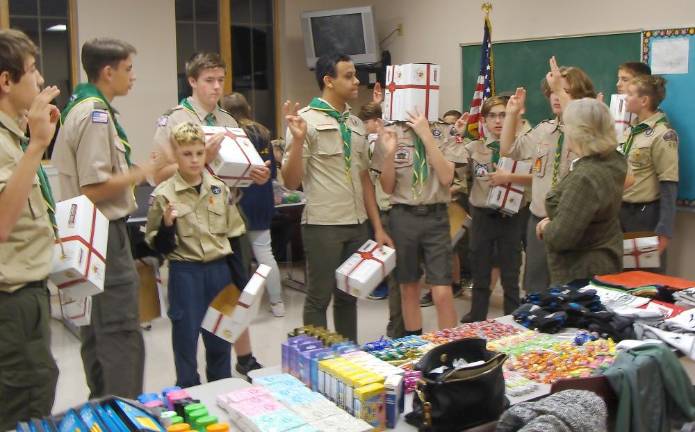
(486, 7)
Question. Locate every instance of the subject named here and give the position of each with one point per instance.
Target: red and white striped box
(77, 311)
(508, 198)
(228, 321)
(365, 269)
(640, 251)
(79, 258)
(622, 117)
(411, 87)
(237, 156)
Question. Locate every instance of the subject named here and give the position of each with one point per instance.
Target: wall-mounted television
(349, 31)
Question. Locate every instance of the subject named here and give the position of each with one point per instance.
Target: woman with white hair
(582, 231)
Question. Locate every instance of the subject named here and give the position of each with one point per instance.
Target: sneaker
(426, 300)
(244, 369)
(277, 309)
(467, 319)
(380, 292)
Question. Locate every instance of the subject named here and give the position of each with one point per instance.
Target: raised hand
(461, 123)
(295, 122)
(389, 139)
(169, 215)
(43, 117)
(419, 123)
(554, 77)
(261, 175)
(517, 102)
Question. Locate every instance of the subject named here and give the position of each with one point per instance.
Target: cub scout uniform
(419, 219)
(198, 270)
(190, 111)
(545, 146)
(493, 234)
(333, 218)
(91, 148)
(28, 373)
(651, 148)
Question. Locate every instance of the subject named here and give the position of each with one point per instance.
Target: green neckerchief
(89, 92)
(495, 147)
(209, 119)
(636, 130)
(45, 186)
(558, 158)
(321, 105)
(420, 168)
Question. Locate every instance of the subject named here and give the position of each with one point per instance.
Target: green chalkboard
(525, 63)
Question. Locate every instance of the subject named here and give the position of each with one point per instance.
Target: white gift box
(77, 311)
(79, 258)
(227, 317)
(508, 198)
(237, 156)
(620, 114)
(641, 252)
(365, 269)
(410, 87)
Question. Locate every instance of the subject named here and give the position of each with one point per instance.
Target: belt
(635, 205)
(36, 284)
(422, 209)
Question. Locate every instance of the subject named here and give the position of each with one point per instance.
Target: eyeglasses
(495, 116)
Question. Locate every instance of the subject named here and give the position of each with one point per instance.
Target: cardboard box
(411, 87)
(622, 117)
(459, 222)
(231, 312)
(509, 198)
(79, 259)
(365, 269)
(237, 156)
(78, 311)
(641, 250)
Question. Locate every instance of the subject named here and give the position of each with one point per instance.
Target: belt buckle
(421, 210)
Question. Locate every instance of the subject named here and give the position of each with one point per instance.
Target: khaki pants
(325, 248)
(28, 372)
(113, 350)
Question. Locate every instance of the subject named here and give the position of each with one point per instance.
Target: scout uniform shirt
(333, 195)
(432, 191)
(190, 111)
(26, 256)
(544, 145)
(204, 220)
(89, 151)
(383, 200)
(652, 158)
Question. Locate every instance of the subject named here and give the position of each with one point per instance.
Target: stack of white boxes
(409, 88)
(237, 156)
(641, 252)
(365, 269)
(508, 198)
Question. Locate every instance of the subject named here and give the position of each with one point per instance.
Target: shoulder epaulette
(171, 110)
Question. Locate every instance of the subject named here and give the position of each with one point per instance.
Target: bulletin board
(671, 54)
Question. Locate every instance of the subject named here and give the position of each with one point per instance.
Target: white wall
(434, 29)
(150, 27)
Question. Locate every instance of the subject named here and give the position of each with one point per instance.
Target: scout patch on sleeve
(403, 156)
(100, 117)
(436, 132)
(162, 121)
(150, 200)
(480, 169)
(671, 136)
(216, 190)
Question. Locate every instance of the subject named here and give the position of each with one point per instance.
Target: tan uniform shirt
(88, 151)
(204, 220)
(383, 200)
(26, 255)
(539, 145)
(179, 114)
(653, 158)
(433, 192)
(333, 197)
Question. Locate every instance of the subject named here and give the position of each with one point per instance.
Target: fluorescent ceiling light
(57, 28)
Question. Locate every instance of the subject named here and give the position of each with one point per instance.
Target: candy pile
(490, 330)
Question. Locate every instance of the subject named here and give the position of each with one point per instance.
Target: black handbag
(460, 398)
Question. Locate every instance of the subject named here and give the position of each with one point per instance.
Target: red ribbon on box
(365, 256)
(244, 305)
(82, 315)
(392, 87)
(636, 252)
(509, 187)
(90, 251)
(243, 175)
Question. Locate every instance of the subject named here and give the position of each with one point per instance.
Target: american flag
(485, 86)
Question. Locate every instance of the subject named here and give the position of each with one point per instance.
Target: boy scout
(651, 148)
(93, 157)
(190, 222)
(544, 145)
(205, 73)
(370, 114)
(492, 232)
(328, 155)
(28, 372)
(416, 165)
